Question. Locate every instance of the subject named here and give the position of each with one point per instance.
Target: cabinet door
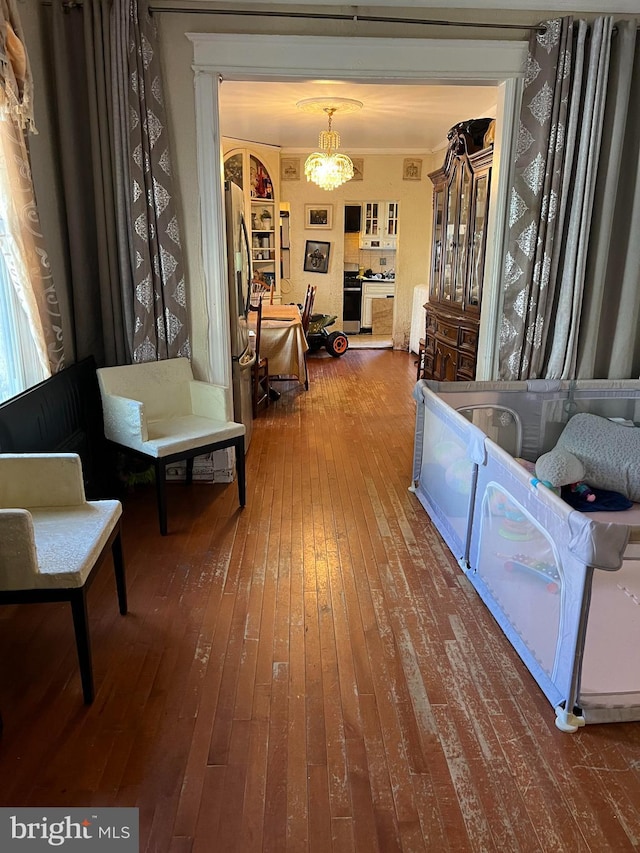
(459, 279)
(445, 363)
(451, 236)
(478, 241)
(371, 219)
(436, 251)
(391, 219)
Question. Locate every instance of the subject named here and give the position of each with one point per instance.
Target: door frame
(222, 56)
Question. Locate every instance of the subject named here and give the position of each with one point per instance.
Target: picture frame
(358, 168)
(318, 215)
(316, 256)
(290, 169)
(412, 169)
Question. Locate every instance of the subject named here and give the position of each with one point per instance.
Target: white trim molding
(244, 57)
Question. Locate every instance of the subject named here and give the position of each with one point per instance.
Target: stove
(351, 302)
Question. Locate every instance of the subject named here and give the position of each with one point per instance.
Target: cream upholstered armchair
(52, 540)
(158, 410)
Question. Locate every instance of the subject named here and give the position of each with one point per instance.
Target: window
(20, 367)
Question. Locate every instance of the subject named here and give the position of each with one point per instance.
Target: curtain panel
(572, 268)
(160, 308)
(22, 243)
(100, 308)
(124, 263)
(608, 345)
(537, 202)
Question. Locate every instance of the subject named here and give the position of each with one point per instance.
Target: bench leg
(240, 470)
(78, 601)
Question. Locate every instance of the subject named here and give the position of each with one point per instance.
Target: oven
(351, 303)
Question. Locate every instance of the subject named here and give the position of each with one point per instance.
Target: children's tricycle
(336, 343)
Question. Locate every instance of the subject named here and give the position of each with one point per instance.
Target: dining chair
(157, 410)
(307, 310)
(53, 540)
(260, 385)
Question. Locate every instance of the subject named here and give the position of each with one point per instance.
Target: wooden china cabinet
(460, 204)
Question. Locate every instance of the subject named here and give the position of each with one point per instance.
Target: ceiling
(409, 118)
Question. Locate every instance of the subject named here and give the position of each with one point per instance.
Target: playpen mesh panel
(517, 563)
(446, 477)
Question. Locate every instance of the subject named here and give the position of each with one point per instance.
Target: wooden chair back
(260, 385)
(308, 307)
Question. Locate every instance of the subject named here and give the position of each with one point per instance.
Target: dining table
(283, 341)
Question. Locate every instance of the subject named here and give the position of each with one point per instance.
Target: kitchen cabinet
(250, 171)
(379, 228)
(460, 203)
(374, 289)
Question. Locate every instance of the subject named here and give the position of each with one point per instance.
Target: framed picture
(318, 215)
(412, 169)
(358, 168)
(290, 168)
(316, 256)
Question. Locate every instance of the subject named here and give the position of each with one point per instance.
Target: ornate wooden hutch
(460, 205)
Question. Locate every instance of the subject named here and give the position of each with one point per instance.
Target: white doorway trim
(278, 58)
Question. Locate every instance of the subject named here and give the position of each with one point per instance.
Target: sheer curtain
(32, 306)
(572, 272)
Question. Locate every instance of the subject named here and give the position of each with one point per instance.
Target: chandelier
(328, 168)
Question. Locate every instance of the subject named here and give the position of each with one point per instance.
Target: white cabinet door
(379, 225)
(374, 290)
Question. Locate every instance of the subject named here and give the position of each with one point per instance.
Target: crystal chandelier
(328, 168)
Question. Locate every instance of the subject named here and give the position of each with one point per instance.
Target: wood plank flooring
(312, 673)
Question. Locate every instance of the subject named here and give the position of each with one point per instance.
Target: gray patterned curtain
(537, 204)
(155, 254)
(572, 271)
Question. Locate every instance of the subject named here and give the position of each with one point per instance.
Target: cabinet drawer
(447, 331)
(469, 340)
(466, 367)
(430, 323)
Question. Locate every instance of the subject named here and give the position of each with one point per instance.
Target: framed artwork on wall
(316, 256)
(412, 169)
(290, 168)
(358, 168)
(318, 215)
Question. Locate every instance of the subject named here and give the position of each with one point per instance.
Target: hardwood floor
(313, 673)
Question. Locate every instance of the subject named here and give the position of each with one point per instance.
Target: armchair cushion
(50, 536)
(158, 409)
(52, 540)
(41, 479)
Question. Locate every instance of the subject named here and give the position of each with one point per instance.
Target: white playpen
(563, 585)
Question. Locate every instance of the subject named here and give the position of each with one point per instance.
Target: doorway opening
(221, 57)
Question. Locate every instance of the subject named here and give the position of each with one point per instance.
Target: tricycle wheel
(337, 344)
